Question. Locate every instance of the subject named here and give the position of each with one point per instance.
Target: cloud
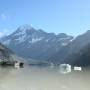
(4, 32)
(1, 34)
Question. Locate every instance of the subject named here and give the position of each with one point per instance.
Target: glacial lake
(43, 78)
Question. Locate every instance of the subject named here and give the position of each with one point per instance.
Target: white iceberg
(77, 68)
(65, 68)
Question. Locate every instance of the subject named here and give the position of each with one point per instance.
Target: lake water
(37, 78)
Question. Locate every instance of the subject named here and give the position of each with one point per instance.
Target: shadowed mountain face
(82, 58)
(5, 54)
(28, 42)
(69, 53)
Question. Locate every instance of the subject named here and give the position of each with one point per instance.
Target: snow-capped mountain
(28, 42)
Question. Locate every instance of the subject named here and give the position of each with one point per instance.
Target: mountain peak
(25, 27)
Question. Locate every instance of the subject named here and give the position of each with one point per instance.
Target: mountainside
(28, 42)
(6, 54)
(82, 58)
(67, 54)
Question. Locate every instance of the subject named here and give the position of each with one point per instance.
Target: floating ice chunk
(17, 65)
(77, 68)
(65, 68)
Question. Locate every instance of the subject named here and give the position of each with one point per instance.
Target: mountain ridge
(68, 53)
(35, 44)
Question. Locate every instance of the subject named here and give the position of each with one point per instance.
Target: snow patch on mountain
(64, 44)
(34, 40)
(22, 30)
(25, 27)
(21, 39)
(73, 39)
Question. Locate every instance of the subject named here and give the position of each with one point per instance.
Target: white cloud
(1, 34)
(4, 32)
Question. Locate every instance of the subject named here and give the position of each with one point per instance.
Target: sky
(59, 16)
